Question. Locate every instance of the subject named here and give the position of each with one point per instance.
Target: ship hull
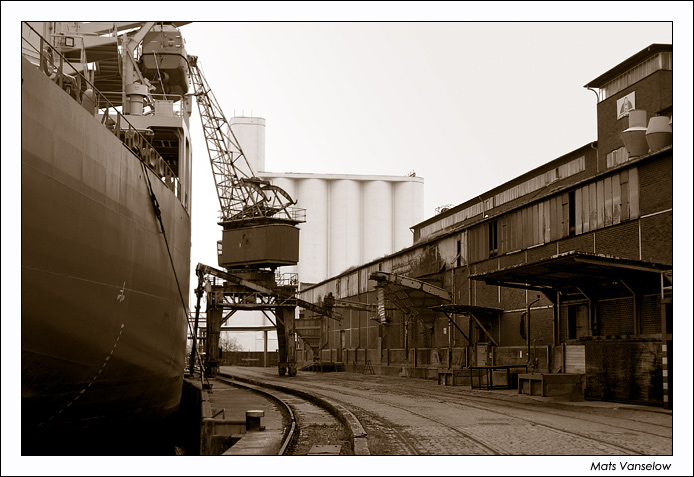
(103, 323)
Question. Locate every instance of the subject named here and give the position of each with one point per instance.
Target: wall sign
(626, 104)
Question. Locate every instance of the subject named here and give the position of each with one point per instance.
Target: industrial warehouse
(561, 276)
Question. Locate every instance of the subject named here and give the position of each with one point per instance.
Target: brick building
(566, 268)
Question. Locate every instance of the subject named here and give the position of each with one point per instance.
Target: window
(660, 61)
(493, 238)
(617, 157)
(572, 213)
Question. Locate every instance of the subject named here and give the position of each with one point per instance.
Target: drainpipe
(450, 344)
(527, 316)
(406, 317)
(556, 328)
(468, 348)
(535, 360)
(592, 144)
(637, 329)
(591, 315)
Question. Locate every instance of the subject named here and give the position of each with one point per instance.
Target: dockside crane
(259, 234)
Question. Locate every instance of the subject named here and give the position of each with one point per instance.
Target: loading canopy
(476, 312)
(413, 297)
(576, 270)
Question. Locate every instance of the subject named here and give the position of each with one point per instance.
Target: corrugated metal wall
(600, 204)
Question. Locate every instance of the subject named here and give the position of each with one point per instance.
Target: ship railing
(171, 105)
(85, 93)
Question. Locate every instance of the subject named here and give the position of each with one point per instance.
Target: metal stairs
(309, 330)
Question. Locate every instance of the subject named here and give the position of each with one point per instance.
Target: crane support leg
(286, 361)
(193, 352)
(214, 322)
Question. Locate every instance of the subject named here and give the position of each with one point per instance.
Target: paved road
(404, 416)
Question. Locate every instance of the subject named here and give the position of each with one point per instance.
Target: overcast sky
(466, 105)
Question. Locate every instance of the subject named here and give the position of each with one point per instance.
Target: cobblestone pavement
(408, 416)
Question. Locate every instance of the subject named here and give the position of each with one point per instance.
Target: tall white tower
(250, 133)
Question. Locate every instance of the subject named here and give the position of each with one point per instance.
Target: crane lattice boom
(244, 198)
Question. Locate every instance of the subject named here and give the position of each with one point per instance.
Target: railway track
(307, 424)
(546, 430)
(473, 442)
(635, 425)
(557, 408)
(417, 417)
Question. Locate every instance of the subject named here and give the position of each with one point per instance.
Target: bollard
(253, 420)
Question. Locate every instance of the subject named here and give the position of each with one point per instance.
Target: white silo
(312, 194)
(345, 225)
(377, 213)
(250, 133)
(407, 211)
(289, 186)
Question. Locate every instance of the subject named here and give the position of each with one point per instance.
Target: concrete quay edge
(270, 395)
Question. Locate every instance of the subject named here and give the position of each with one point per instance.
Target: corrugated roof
(625, 65)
